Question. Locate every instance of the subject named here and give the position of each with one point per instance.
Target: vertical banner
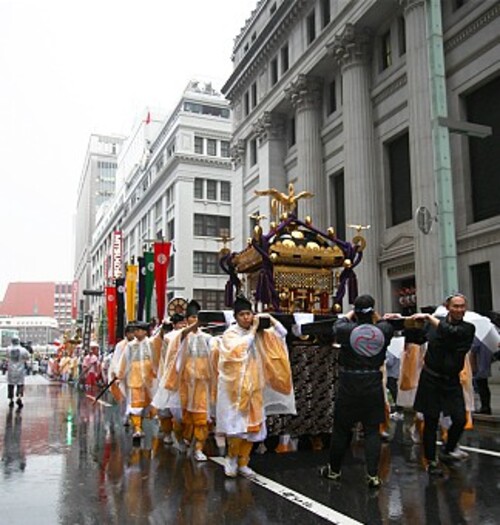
(117, 255)
(130, 289)
(142, 289)
(87, 330)
(111, 313)
(74, 300)
(150, 281)
(120, 308)
(161, 258)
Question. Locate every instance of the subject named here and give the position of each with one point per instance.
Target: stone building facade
(337, 97)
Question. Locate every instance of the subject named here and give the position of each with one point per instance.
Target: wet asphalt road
(66, 461)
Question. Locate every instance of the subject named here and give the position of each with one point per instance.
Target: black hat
(192, 308)
(130, 327)
(363, 304)
(141, 325)
(176, 318)
(428, 309)
(241, 303)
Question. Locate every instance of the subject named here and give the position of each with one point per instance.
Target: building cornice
(472, 28)
(487, 236)
(287, 13)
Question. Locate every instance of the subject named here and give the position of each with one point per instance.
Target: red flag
(162, 258)
(111, 313)
(148, 118)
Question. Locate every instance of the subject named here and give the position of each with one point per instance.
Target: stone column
(352, 51)
(427, 265)
(305, 94)
(270, 131)
(237, 151)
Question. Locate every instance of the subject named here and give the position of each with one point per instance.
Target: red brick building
(40, 298)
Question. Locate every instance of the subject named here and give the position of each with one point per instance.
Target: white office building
(177, 189)
(96, 186)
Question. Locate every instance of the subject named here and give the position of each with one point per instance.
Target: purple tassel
(353, 287)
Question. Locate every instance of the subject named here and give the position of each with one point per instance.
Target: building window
(285, 58)
(481, 288)
(211, 190)
(246, 103)
(254, 94)
(274, 71)
(338, 199)
(224, 148)
(253, 152)
(198, 145)
(225, 191)
(386, 50)
(211, 225)
(171, 266)
(332, 97)
(398, 152)
(171, 229)
(211, 147)
(325, 13)
(198, 188)
(158, 213)
(210, 299)
(311, 27)
(483, 107)
(206, 262)
(203, 109)
(402, 36)
(170, 195)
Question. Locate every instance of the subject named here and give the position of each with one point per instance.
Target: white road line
(299, 499)
(484, 451)
(481, 451)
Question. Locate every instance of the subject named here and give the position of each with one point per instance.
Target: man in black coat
(364, 339)
(439, 389)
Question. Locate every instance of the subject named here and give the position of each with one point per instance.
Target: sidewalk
(494, 384)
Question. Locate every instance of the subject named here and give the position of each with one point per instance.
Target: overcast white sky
(69, 68)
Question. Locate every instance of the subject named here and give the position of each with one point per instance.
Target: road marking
(484, 451)
(481, 451)
(299, 499)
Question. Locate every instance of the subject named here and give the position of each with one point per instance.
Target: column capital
(305, 92)
(351, 47)
(408, 5)
(237, 151)
(269, 126)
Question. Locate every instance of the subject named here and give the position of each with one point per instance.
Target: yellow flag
(130, 288)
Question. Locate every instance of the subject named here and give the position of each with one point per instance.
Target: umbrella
(486, 332)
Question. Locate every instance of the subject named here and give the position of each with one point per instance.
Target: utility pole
(441, 128)
(441, 146)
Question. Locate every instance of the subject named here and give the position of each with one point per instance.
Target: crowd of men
(195, 382)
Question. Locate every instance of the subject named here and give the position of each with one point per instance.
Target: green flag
(150, 281)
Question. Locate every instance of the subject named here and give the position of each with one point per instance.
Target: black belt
(435, 374)
(359, 370)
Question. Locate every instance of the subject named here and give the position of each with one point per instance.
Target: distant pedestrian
(481, 359)
(18, 357)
